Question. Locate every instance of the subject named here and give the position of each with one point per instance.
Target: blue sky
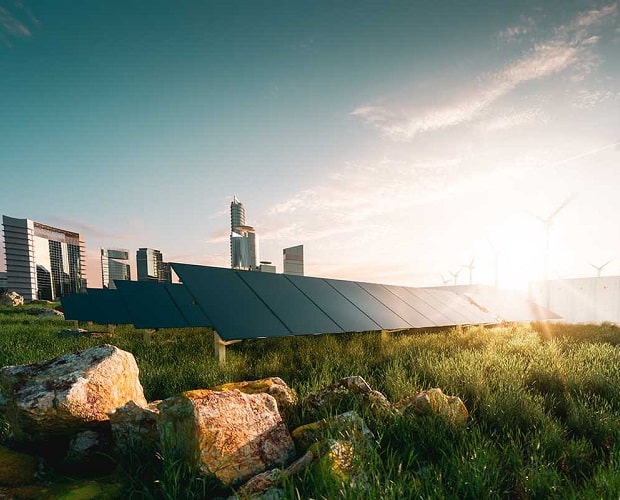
(396, 140)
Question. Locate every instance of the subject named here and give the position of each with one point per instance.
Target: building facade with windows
(243, 239)
(42, 262)
(114, 266)
(151, 267)
(293, 260)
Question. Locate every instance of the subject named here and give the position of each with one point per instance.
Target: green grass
(544, 403)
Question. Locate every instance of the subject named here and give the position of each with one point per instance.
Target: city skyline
(397, 142)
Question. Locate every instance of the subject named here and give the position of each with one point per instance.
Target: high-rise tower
(114, 266)
(151, 267)
(294, 260)
(243, 239)
(42, 262)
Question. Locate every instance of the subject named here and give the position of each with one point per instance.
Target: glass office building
(114, 266)
(43, 262)
(294, 260)
(151, 267)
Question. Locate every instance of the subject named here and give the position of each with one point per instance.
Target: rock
(16, 468)
(229, 434)
(336, 455)
(275, 386)
(435, 402)
(134, 429)
(88, 454)
(346, 394)
(12, 299)
(51, 313)
(70, 393)
(349, 424)
(269, 479)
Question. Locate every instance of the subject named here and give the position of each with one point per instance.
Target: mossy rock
(17, 469)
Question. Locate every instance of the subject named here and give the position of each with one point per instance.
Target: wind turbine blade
(557, 210)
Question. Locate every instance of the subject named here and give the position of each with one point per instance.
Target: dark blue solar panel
(405, 310)
(233, 307)
(287, 302)
(187, 305)
(457, 308)
(78, 307)
(380, 314)
(342, 311)
(110, 308)
(453, 317)
(150, 305)
(433, 314)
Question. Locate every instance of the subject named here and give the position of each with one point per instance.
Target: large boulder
(229, 434)
(274, 386)
(349, 393)
(134, 429)
(68, 394)
(435, 402)
(12, 299)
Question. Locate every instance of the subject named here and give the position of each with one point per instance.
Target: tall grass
(544, 403)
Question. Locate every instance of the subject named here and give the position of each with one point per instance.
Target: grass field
(544, 403)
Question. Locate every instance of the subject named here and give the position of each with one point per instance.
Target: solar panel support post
(220, 348)
(147, 335)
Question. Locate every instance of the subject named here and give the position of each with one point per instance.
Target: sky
(397, 141)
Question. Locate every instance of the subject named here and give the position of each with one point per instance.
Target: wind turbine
(455, 275)
(444, 281)
(600, 268)
(547, 223)
(471, 268)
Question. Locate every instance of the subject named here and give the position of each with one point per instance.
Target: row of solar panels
(242, 304)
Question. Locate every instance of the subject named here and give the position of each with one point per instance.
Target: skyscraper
(294, 260)
(42, 262)
(114, 266)
(243, 239)
(151, 267)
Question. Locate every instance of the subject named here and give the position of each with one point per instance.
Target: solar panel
(377, 311)
(512, 307)
(109, 307)
(188, 307)
(78, 307)
(233, 307)
(442, 304)
(289, 304)
(404, 309)
(150, 305)
(341, 310)
(407, 295)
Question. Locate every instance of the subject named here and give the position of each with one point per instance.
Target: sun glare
(518, 245)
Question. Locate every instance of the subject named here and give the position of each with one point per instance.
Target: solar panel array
(244, 304)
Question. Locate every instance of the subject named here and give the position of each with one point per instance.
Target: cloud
(513, 119)
(570, 48)
(14, 23)
(518, 31)
(587, 99)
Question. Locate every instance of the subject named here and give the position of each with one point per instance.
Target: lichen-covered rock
(70, 393)
(17, 468)
(435, 402)
(268, 480)
(275, 386)
(346, 424)
(346, 394)
(12, 299)
(134, 428)
(229, 434)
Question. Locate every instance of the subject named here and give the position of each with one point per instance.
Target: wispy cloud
(14, 23)
(513, 119)
(587, 99)
(570, 48)
(517, 31)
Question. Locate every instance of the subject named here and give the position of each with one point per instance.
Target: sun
(517, 243)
